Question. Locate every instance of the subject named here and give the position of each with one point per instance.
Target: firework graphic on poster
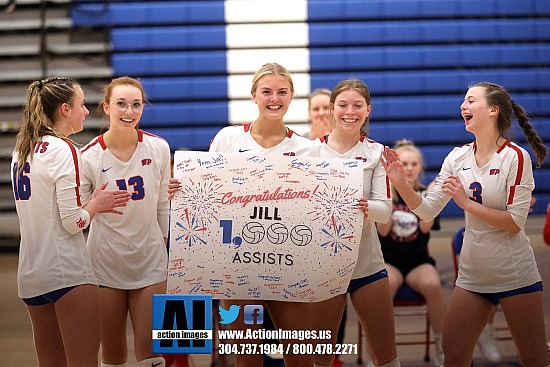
(334, 206)
(199, 210)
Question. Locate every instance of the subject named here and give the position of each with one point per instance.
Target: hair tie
(512, 101)
(40, 85)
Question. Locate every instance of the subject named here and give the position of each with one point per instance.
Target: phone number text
(291, 348)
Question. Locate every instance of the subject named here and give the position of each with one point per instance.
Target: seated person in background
(404, 241)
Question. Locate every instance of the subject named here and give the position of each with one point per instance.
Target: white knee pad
(152, 362)
(393, 363)
(113, 365)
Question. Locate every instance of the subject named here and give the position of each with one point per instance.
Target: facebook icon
(253, 314)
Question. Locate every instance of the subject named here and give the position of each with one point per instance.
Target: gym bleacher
(196, 60)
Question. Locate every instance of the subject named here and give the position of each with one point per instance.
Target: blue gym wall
(196, 60)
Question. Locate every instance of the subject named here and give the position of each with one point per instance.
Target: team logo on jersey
(494, 171)
(146, 161)
(81, 223)
(290, 154)
(361, 159)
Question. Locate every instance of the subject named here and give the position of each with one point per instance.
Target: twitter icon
(228, 316)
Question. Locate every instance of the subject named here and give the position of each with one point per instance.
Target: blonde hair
(44, 97)
(406, 145)
(271, 68)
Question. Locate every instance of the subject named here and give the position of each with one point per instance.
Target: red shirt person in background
(546, 231)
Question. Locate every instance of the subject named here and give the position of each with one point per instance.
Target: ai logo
(182, 324)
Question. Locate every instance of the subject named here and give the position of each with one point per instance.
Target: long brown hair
(39, 114)
(497, 96)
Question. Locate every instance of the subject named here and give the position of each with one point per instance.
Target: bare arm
(384, 229)
(396, 174)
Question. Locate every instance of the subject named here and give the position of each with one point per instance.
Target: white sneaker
(487, 344)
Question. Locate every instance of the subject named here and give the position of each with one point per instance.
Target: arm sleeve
(163, 205)
(380, 200)
(64, 170)
(436, 199)
(520, 186)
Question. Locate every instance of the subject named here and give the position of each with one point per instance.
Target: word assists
(292, 348)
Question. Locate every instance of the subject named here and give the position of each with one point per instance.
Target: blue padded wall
(196, 60)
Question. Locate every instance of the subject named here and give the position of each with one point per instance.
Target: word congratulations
(277, 194)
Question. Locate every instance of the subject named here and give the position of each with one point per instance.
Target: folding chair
(405, 298)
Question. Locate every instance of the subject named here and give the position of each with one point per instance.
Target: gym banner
(264, 227)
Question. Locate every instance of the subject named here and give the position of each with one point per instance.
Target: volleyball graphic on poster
(301, 235)
(253, 232)
(246, 226)
(277, 233)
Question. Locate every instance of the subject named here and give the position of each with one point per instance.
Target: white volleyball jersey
(237, 139)
(52, 253)
(376, 190)
(492, 260)
(128, 251)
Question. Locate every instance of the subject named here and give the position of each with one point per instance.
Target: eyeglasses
(122, 106)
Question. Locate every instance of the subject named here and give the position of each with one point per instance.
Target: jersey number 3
(476, 192)
(137, 183)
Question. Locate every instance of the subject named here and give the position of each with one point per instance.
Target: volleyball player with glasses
(122, 106)
(129, 255)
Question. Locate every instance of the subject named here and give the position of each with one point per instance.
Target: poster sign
(264, 227)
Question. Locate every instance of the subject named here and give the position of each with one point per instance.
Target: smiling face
(273, 95)
(125, 107)
(476, 112)
(350, 110)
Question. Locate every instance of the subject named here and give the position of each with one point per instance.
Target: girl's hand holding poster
(263, 227)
